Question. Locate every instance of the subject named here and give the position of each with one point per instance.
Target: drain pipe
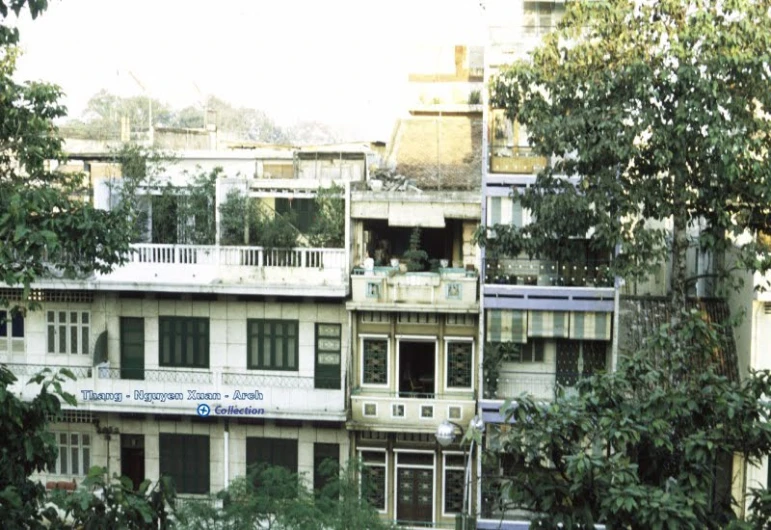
(226, 456)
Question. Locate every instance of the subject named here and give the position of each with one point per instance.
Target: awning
(590, 326)
(411, 215)
(554, 324)
(505, 325)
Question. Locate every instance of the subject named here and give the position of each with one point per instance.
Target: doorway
(415, 488)
(417, 368)
(132, 458)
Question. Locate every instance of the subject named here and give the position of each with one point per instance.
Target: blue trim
(598, 299)
(502, 525)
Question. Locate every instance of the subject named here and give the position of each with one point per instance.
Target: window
(374, 361)
(74, 453)
(459, 364)
(185, 458)
(184, 342)
(326, 464)
(373, 478)
(454, 478)
(68, 331)
(11, 332)
(328, 346)
(280, 452)
(272, 344)
(531, 352)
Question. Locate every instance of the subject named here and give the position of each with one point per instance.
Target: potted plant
(416, 257)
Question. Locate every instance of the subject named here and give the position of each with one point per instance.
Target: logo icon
(203, 410)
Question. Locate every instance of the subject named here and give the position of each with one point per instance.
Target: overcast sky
(340, 61)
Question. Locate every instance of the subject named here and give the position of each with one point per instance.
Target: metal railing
(161, 254)
(268, 381)
(156, 375)
(245, 379)
(389, 394)
(24, 370)
(512, 383)
(521, 271)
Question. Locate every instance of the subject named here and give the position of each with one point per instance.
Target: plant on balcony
(328, 229)
(243, 222)
(417, 258)
(496, 353)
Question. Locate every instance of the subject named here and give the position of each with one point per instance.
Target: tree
(659, 112)
(46, 218)
(328, 229)
(638, 448)
(27, 447)
(271, 497)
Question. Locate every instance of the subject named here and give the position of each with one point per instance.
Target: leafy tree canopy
(659, 113)
(46, 218)
(649, 446)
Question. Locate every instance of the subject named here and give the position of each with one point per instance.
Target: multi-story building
(414, 304)
(197, 359)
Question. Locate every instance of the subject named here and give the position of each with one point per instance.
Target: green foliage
(329, 224)
(637, 448)
(475, 97)
(496, 353)
(27, 447)
(117, 505)
(46, 217)
(659, 109)
(417, 258)
(245, 222)
(275, 498)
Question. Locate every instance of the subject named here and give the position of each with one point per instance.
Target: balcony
(228, 270)
(393, 411)
(448, 289)
(180, 391)
(521, 283)
(515, 160)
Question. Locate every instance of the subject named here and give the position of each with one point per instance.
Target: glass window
(375, 361)
(459, 364)
(185, 458)
(68, 332)
(272, 344)
(74, 454)
(184, 342)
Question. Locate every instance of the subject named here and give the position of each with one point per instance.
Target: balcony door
(417, 368)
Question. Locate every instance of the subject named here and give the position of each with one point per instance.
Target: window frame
(67, 448)
(253, 358)
(446, 467)
(447, 341)
(8, 337)
(387, 339)
(181, 443)
(185, 337)
(54, 326)
(386, 482)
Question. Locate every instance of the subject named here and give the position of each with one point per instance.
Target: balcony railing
(540, 385)
(160, 254)
(384, 285)
(30, 370)
(516, 160)
(391, 409)
(522, 271)
(168, 390)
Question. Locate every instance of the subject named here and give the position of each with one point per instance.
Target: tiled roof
(641, 317)
(439, 151)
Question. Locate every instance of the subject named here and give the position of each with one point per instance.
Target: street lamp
(445, 435)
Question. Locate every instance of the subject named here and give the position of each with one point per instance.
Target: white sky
(339, 61)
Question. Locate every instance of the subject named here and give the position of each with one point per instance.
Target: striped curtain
(505, 325)
(590, 326)
(555, 324)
